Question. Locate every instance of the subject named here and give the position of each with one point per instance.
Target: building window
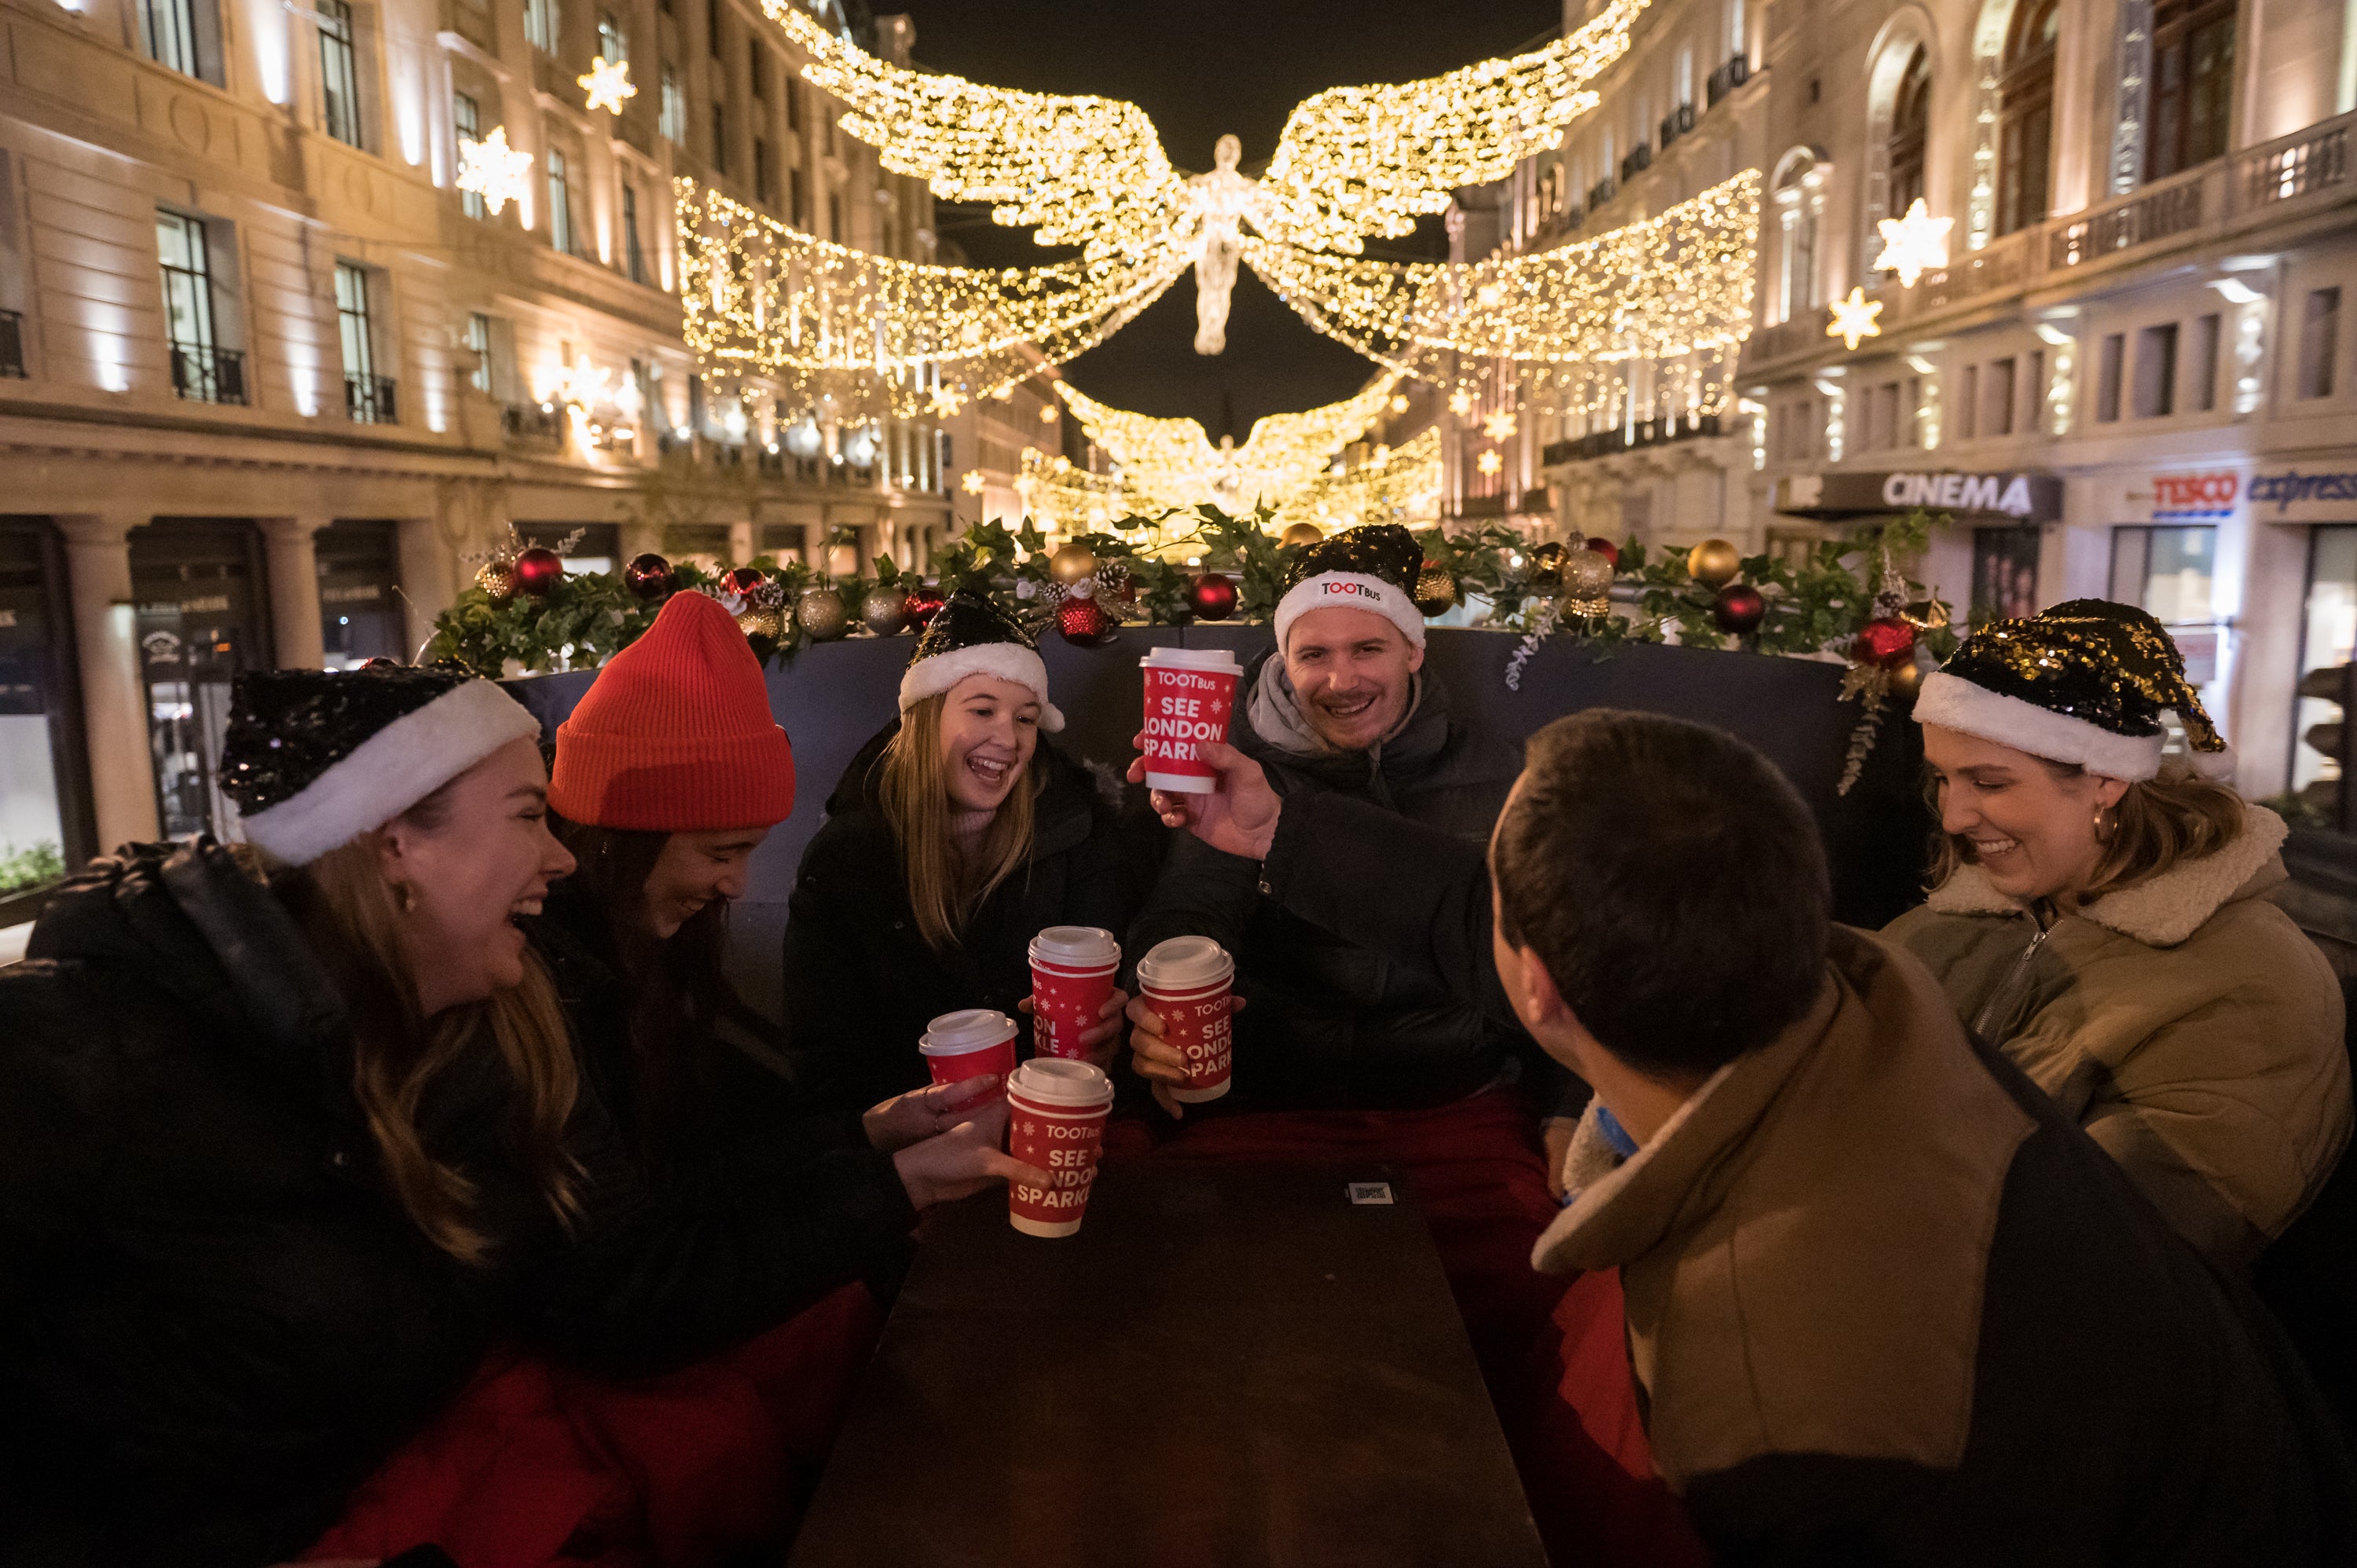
(834, 217)
(2005, 573)
(478, 339)
(1968, 397)
(2168, 571)
(2026, 115)
(2033, 391)
(2107, 378)
(793, 104)
(367, 396)
(612, 47)
(761, 172)
(540, 24)
(467, 118)
(2155, 372)
(798, 195)
(561, 232)
(2192, 82)
(44, 821)
(2319, 335)
(758, 70)
(202, 371)
(712, 27)
(1997, 417)
(2205, 362)
(202, 618)
(176, 35)
(1910, 121)
(1885, 417)
(2329, 641)
(826, 131)
(720, 138)
(674, 109)
(340, 76)
(634, 258)
(1799, 204)
(359, 593)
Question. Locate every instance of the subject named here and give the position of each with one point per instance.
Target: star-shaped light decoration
(1489, 461)
(608, 84)
(1914, 244)
(1853, 318)
(944, 401)
(1399, 403)
(1461, 403)
(973, 482)
(1048, 415)
(493, 170)
(1499, 425)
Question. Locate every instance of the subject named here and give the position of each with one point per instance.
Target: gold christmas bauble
(1546, 564)
(1906, 679)
(761, 623)
(823, 614)
(1587, 574)
(1075, 563)
(496, 578)
(1435, 591)
(1713, 562)
(1925, 615)
(1301, 534)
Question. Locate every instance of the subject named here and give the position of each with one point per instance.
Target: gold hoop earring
(403, 898)
(2104, 828)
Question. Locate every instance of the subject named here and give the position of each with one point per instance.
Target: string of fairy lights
(1172, 463)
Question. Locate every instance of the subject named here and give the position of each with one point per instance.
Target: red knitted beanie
(675, 736)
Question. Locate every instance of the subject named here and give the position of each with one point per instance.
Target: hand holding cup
(922, 1114)
(1101, 1041)
(1237, 817)
(1155, 1059)
(963, 1160)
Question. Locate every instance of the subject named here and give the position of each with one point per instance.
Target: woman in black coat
(954, 837)
(287, 1142)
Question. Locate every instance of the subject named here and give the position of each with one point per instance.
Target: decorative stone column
(114, 707)
(291, 545)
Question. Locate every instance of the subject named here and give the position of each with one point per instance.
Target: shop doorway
(203, 618)
(359, 592)
(2005, 573)
(46, 829)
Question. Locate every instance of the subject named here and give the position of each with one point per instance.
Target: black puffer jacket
(215, 1319)
(1334, 1023)
(860, 982)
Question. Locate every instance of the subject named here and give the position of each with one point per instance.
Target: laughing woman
(955, 836)
(2101, 915)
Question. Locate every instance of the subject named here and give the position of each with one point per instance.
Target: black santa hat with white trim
(315, 758)
(970, 635)
(1372, 567)
(2082, 683)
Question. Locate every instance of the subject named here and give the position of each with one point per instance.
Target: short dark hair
(1672, 882)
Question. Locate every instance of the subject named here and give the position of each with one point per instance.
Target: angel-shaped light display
(1353, 162)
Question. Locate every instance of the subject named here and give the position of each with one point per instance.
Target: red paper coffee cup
(959, 1045)
(1190, 692)
(1072, 974)
(1186, 979)
(1056, 1117)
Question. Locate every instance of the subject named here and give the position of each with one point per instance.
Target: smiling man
(1342, 707)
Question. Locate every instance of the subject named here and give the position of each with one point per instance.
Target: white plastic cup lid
(1058, 1080)
(1185, 963)
(1219, 660)
(974, 1029)
(1076, 947)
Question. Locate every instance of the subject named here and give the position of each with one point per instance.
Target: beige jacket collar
(2160, 911)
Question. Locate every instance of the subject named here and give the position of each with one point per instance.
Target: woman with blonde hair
(289, 1137)
(2099, 913)
(954, 837)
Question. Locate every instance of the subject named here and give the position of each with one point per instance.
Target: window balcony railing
(204, 374)
(1644, 433)
(532, 424)
(1639, 158)
(1602, 191)
(12, 345)
(1726, 80)
(1676, 123)
(369, 400)
(2148, 215)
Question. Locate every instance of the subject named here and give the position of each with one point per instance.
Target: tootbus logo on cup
(1190, 692)
(1056, 1117)
(1071, 979)
(1186, 979)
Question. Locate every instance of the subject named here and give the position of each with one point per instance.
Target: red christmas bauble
(1738, 609)
(1885, 640)
(1606, 549)
(538, 571)
(1212, 596)
(743, 579)
(647, 576)
(1083, 621)
(925, 601)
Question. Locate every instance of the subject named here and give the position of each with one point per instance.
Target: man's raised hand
(1239, 817)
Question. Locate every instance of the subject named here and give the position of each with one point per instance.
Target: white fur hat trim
(391, 771)
(1954, 703)
(1007, 660)
(1351, 591)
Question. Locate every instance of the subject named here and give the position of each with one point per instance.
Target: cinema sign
(1975, 497)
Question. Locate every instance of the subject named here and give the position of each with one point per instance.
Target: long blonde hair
(2176, 815)
(347, 910)
(947, 882)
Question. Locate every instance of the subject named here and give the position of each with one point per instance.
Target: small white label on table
(1370, 1191)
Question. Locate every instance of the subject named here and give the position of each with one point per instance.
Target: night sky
(1202, 67)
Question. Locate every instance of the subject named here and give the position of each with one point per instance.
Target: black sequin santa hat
(1371, 567)
(2085, 682)
(969, 635)
(315, 758)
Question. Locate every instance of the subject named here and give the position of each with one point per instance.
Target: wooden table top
(1228, 1364)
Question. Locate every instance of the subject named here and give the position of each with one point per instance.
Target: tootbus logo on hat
(1346, 588)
